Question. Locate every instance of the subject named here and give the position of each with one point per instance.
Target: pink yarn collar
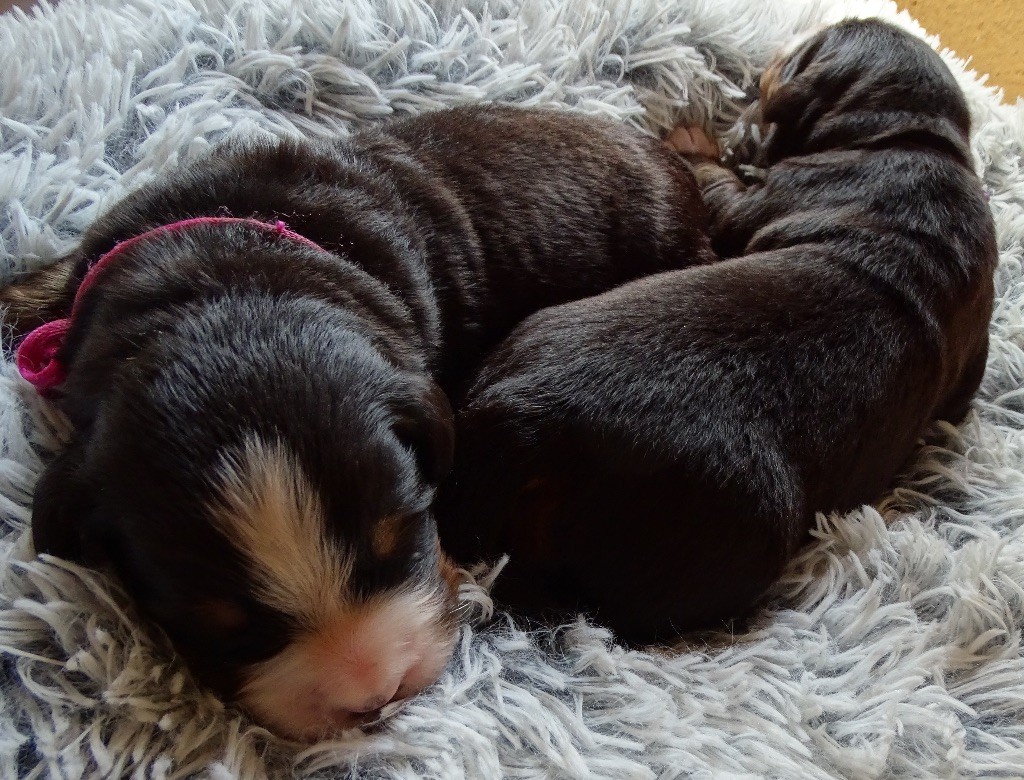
(37, 354)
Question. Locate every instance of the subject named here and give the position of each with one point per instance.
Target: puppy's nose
(366, 688)
(374, 703)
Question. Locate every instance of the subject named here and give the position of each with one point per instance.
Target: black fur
(440, 233)
(656, 454)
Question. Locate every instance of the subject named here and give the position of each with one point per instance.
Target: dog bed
(891, 647)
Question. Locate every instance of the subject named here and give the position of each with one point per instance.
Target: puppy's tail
(38, 297)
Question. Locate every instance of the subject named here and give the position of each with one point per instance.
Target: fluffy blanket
(892, 646)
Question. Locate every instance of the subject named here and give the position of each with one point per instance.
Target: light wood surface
(990, 32)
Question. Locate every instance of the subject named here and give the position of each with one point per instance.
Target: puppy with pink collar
(256, 353)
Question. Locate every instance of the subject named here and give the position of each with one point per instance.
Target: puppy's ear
(39, 297)
(426, 427)
(61, 508)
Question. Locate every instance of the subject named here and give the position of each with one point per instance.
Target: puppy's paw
(37, 297)
(692, 142)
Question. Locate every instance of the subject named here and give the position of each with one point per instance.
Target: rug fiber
(890, 649)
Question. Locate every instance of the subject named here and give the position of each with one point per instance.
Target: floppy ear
(40, 296)
(790, 97)
(62, 506)
(426, 427)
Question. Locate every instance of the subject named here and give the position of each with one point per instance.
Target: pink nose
(372, 704)
(377, 691)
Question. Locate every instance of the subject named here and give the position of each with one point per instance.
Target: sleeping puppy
(260, 410)
(656, 454)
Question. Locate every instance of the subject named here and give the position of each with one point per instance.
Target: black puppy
(261, 415)
(656, 453)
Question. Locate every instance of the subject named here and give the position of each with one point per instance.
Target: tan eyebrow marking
(221, 613)
(385, 535)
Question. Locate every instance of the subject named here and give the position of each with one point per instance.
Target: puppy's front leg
(722, 191)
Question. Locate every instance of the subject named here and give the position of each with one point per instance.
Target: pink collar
(37, 354)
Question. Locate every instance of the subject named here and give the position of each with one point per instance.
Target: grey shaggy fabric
(892, 647)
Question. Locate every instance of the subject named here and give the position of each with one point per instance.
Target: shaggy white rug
(892, 648)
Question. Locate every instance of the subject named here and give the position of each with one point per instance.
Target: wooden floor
(989, 31)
